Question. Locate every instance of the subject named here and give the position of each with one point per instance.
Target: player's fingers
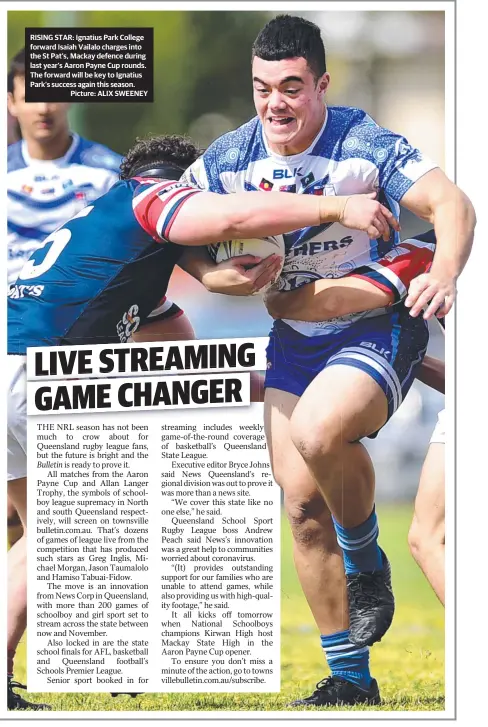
(373, 232)
(371, 195)
(434, 305)
(416, 287)
(448, 303)
(382, 225)
(423, 300)
(390, 218)
(246, 260)
(266, 277)
(269, 263)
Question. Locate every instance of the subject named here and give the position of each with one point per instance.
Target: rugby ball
(260, 247)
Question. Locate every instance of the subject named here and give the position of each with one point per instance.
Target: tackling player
(331, 384)
(69, 293)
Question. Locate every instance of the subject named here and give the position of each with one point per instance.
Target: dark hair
(288, 36)
(17, 68)
(174, 152)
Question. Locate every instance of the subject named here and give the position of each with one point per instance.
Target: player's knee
(424, 538)
(308, 516)
(316, 440)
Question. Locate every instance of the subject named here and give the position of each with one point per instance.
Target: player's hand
(235, 277)
(432, 291)
(363, 212)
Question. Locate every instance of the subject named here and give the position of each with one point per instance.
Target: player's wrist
(331, 208)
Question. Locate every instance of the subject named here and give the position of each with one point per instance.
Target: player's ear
(11, 105)
(323, 84)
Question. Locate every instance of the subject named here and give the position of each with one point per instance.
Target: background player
(70, 293)
(314, 424)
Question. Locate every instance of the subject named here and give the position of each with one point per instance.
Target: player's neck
(53, 149)
(286, 150)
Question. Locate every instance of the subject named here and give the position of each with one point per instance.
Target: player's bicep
(427, 193)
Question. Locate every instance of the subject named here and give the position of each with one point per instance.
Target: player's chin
(282, 133)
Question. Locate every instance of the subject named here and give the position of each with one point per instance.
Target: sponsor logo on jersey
(286, 173)
(79, 195)
(266, 185)
(22, 291)
(47, 190)
(128, 324)
(27, 189)
(67, 183)
(377, 349)
(316, 247)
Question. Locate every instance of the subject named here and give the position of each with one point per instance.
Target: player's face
(39, 121)
(289, 101)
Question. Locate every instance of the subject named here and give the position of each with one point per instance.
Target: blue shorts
(388, 347)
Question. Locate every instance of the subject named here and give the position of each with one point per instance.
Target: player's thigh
(302, 499)
(16, 417)
(17, 492)
(429, 515)
(172, 328)
(342, 404)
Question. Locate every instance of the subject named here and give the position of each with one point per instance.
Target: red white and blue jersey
(103, 273)
(43, 194)
(351, 154)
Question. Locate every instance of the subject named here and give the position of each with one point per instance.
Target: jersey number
(57, 241)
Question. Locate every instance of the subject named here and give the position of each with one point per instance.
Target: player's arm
(435, 198)
(178, 213)
(231, 277)
(376, 285)
(432, 373)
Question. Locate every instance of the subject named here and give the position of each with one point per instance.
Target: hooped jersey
(43, 194)
(102, 274)
(350, 155)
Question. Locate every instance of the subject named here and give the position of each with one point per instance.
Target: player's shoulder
(359, 135)
(15, 158)
(93, 154)
(236, 149)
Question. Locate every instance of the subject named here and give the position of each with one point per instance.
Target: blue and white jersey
(351, 154)
(43, 194)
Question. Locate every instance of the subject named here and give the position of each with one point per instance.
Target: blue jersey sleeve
(399, 164)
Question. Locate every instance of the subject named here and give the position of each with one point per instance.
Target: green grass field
(408, 664)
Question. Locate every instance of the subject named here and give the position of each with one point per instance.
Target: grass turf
(408, 664)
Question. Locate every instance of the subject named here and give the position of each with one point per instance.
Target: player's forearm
(326, 299)
(432, 373)
(454, 221)
(207, 218)
(196, 262)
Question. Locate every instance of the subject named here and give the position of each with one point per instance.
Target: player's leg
(171, 325)
(14, 525)
(427, 532)
(318, 561)
(357, 390)
(17, 555)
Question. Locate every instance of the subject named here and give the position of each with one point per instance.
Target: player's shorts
(16, 417)
(165, 309)
(388, 347)
(439, 433)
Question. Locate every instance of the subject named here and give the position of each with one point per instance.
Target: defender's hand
(432, 291)
(362, 212)
(232, 277)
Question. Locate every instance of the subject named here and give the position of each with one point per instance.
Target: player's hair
(16, 68)
(157, 153)
(288, 36)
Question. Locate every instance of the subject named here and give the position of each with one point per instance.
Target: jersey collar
(295, 157)
(56, 162)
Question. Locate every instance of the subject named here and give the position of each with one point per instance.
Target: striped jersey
(351, 154)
